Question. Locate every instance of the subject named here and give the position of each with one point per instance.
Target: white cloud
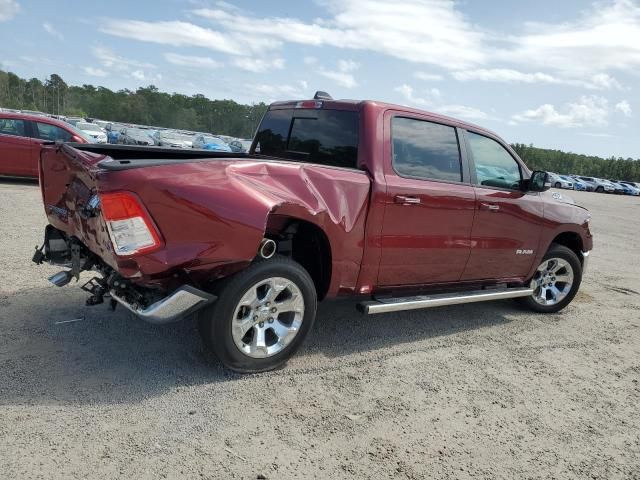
(109, 59)
(177, 34)
(52, 31)
(462, 111)
(429, 77)
(95, 72)
(421, 31)
(258, 65)
(601, 81)
(192, 61)
(604, 38)
(277, 92)
(431, 100)
(623, 107)
(8, 9)
(343, 76)
(589, 110)
(138, 74)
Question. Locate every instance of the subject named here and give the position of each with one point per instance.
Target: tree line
(572, 163)
(149, 106)
(144, 106)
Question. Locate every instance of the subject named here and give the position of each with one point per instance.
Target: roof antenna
(320, 95)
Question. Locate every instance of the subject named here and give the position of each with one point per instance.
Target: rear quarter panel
(212, 215)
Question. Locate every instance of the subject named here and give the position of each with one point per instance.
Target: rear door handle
(492, 207)
(406, 200)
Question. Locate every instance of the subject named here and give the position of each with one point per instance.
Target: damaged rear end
(161, 228)
(140, 260)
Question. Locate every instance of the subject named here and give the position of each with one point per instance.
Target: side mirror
(539, 182)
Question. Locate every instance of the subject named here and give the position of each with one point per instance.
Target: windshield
(173, 136)
(325, 137)
(88, 126)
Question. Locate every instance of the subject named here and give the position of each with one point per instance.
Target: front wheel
(600, 189)
(556, 281)
(557, 185)
(261, 317)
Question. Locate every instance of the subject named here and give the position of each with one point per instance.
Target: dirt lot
(475, 391)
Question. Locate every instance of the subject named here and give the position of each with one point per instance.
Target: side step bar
(390, 304)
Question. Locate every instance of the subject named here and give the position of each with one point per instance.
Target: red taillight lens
(131, 229)
(309, 104)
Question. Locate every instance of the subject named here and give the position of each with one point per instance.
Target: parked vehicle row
(593, 184)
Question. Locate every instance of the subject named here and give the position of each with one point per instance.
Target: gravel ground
(473, 391)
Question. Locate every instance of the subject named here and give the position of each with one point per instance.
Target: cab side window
(425, 150)
(45, 131)
(12, 126)
(494, 165)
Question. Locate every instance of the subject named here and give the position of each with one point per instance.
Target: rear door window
(45, 131)
(425, 150)
(12, 126)
(325, 137)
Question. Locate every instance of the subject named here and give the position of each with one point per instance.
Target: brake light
(131, 229)
(309, 104)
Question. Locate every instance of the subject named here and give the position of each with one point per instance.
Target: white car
(558, 182)
(94, 131)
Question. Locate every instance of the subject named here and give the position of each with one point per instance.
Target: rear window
(325, 137)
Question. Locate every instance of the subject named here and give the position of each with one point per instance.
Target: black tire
(558, 251)
(215, 321)
(600, 189)
(558, 185)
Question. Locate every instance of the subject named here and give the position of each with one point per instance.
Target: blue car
(209, 142)
(577, 184)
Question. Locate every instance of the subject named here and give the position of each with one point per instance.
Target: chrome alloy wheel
(552, 281)
(268, 317)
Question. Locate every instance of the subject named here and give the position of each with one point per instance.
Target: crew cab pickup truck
(402, 208)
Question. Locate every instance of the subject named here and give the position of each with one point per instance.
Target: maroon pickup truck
(403, 208)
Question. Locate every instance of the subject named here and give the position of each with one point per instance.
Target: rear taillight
(309, 104)
(131, 229)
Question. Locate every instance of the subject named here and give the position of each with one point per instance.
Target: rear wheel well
(307, 244)
(570, 240)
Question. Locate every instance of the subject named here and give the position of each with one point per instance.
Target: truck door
(429, 204)
(508, 222)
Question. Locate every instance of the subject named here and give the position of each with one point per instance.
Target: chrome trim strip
(429, 301)
(185, 300)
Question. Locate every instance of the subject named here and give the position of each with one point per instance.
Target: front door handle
(492, 207)
(407, 200)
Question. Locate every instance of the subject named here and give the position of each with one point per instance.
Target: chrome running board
(391, 304)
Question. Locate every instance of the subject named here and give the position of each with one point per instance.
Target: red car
(404, 208)
(22, 134)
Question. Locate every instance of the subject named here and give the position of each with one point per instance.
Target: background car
(634, 187)
(626, 189)
(560, 182)
(210, 142)
(577, 184)
(589, 186)
(171, 138)
(94, 131)
(616, 188)
(20, 139)
(600, 186)
(134, 136)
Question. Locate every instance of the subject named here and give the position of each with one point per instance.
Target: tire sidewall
(559, 251)
(220, 318)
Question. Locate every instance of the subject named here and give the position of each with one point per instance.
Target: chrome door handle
(489, 206)
(406, 200)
